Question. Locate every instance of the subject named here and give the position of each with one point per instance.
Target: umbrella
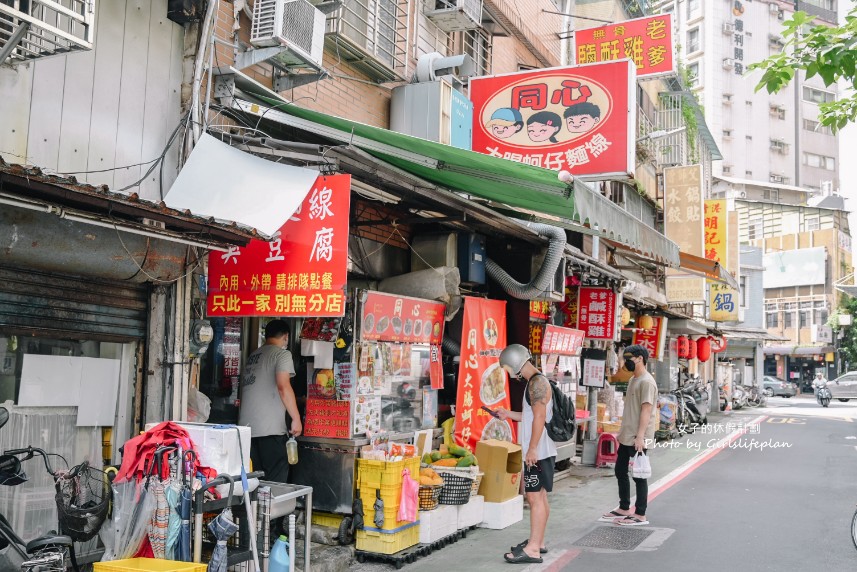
(161, 514)
(132, 512)
(222, 527)
(185, 501)
(378, 507)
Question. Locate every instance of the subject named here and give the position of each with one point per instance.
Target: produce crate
(376, 474)
(148, 565)
(429, 495)
(326, 519)
(391, 514)
(388, 541)
(456, 488)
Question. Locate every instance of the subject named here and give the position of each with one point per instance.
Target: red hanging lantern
(718, 344)
(691, 348)
(703, 349)
(681, 345)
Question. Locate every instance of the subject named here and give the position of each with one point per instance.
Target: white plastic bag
(198, 406)
(641, 468)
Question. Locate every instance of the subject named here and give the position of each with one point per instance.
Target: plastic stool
(607, 451)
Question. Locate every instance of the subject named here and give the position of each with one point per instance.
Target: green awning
(498, 180)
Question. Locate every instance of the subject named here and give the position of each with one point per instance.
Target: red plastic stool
(607, 451)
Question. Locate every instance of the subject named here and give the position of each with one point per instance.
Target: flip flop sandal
(631, 521)
(611, 516)
(521, 557)
(524, 543)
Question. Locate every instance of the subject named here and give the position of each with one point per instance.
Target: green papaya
(427, 460)
(467, 461)
(458, 451)
(435, 456)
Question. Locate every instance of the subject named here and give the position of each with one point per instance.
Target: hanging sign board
(597, 312)
(648, 42)
(302, 272)
(580, 119)
(393, 318)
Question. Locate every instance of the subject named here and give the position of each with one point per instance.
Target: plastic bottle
(279, 559)
(292, 450)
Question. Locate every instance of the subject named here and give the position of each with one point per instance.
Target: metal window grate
(31, 29)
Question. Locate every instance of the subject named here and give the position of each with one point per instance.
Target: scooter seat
(48, 540)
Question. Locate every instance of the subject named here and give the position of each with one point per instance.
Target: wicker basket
(429, 496)
(477, 480)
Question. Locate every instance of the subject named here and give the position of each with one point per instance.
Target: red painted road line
(681, 472)
(563, 560)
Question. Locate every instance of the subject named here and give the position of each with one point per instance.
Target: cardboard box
(438, 523)
(502, 463)
(498, 516)
(471, 514)
(603, 415)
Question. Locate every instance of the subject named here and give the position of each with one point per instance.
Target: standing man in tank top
(539, 449)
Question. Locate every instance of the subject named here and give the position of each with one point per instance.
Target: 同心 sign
(302, 272)
(648, 42)
(580, 118)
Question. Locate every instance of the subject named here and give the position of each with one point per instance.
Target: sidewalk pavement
(576, 502)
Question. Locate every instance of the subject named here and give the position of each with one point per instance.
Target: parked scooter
(822, 393)
(739, 398)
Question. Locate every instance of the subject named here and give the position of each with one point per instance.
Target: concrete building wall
(753, 292)
(762, 137)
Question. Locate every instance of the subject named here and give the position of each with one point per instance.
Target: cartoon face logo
(582, 117)
(543, 126)
(505, 122)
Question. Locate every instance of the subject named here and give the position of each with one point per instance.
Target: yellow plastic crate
(378, 473)
(148, 565)
(381, 542)
(326, 519)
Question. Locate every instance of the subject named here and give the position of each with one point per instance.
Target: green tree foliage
(848, 343)
(829, 52)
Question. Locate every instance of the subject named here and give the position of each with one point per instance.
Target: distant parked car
(776, 386)
(844, 387)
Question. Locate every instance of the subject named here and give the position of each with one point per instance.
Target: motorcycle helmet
(513, 358)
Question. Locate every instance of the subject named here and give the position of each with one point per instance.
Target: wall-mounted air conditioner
(295, 25)
(728, 28)
(463, 250)
(773, 8)
(555, 291)
(432, 110)
(728, 63)
(454, 15)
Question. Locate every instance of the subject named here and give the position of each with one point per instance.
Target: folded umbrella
(222, 527)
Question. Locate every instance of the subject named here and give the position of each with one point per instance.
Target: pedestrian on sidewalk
(539, 449)
(636, 433)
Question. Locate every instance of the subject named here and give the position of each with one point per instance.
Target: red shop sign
(652, 339)
(327, 418)
(562, 341)
(302, 272)
(578, 118)
(481, 379)
(597, 313)
(648, 42)
(392, 318)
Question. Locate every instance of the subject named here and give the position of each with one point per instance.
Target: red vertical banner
(481, 380)
(301, 272)
(435, 368)
(597, 313)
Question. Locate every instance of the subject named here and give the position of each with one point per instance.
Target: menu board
(327, 418)
(365, 414)
(392, 318)
(562, 341)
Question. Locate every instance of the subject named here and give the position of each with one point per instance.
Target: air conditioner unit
(773, 8)
(728, 28)
(463, 250)
(741, 194)
(728, 63)
(433, 110)
(781, 15)
(454, 15)
(295, 25)
(555, 291)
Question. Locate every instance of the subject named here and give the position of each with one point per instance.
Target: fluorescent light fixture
(371, 192)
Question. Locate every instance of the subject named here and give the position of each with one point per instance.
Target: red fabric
(145, 549)
(140, 450)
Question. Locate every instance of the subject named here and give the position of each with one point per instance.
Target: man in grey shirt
(266, 396)
(636, 434)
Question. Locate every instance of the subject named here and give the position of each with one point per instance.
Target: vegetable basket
(429, 496)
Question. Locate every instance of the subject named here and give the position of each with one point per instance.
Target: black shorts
(539, 476)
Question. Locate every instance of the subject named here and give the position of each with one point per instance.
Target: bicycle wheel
(854, 529)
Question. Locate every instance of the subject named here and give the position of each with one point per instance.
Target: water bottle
(292, 451)
(279, 559)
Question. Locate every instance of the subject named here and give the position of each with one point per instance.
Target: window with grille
(819, 161)
(694, 40)
(816, 127)
(772, 320)
(814, 95)
(813, 223)
(788, 318)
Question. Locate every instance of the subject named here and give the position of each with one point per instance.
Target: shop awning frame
(706, 268)
(798, 351)
(477, 175)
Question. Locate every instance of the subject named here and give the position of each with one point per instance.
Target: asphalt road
(756, 509)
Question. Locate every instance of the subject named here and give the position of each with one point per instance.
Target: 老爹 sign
(578, 118)
(302, 272)
(648, 42)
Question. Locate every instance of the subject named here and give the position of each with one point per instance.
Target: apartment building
(766, 138)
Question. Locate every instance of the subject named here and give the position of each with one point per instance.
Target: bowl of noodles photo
(493, 387)
(497, 429)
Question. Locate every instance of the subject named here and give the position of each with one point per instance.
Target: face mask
(630, 365)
